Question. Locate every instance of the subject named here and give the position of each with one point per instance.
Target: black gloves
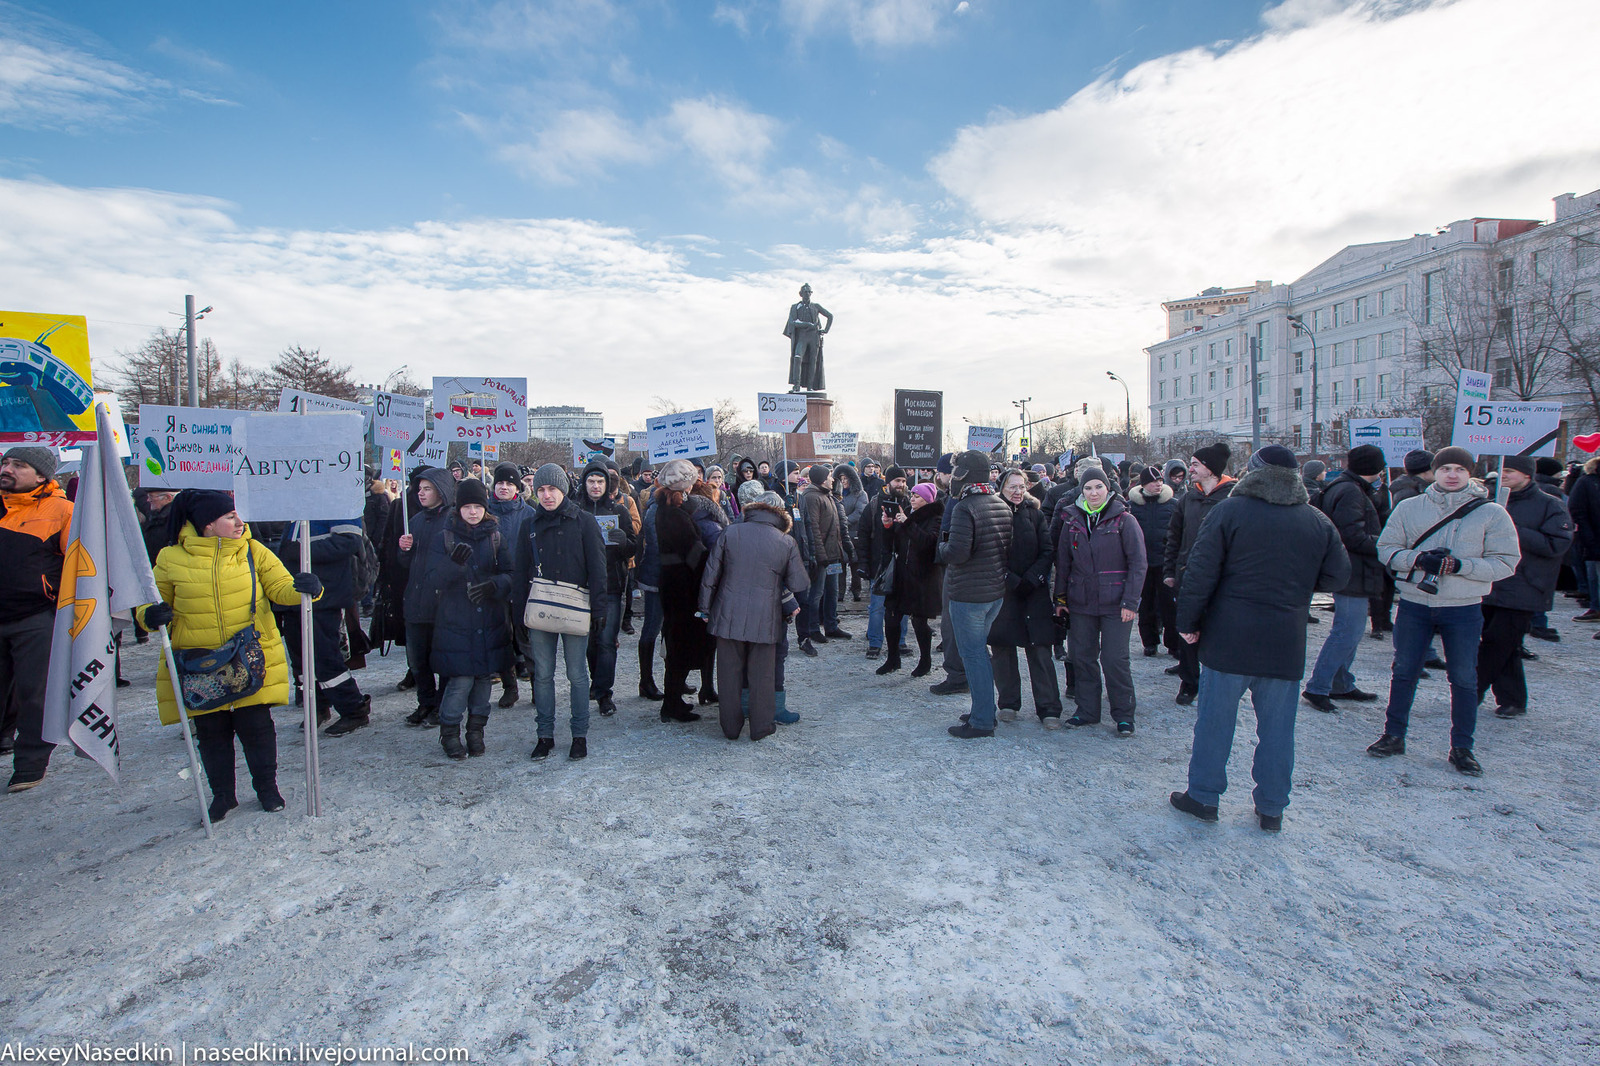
(481, 592)
(308, 583)
(1433, 561)
(157, 615)
(461, 553)
(1024, 585)
(615, 535)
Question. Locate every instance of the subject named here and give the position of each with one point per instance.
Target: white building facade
(563, 424)
(1391, 323)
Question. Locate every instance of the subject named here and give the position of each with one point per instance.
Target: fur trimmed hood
(1275, 484)
(779, 516)
(1137, 497)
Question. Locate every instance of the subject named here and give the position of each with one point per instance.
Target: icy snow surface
(858, 888)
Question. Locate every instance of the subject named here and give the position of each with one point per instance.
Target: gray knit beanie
(43, 460)
(551, 474)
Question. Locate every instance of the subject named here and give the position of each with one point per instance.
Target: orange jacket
(33, 541)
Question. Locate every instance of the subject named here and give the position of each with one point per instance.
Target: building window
(1261, 384)
(1192, 408)
(1383, 386)
(1359, 390)
(1383, 303)
(1211, 381)
(1336, 354)
(1503, 274)
(1336, 394)
(1161, 364)
(1541, 266)
(1299, 362)
(1227, 378)
(1188, 314)
(1299, 399)
(1227, 348)
(1161, 390)
(1162, 416)
(1227, 408)
(1298, 436)
(1263, 416)
(1211, 353)
(1211, 411)
(1433, 297)
(1502, 372)
(1583, 248)
(1194, 355)
(1363, 308)
(1261, 340)
(1502, 324)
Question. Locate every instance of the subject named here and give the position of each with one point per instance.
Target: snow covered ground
(858, 888)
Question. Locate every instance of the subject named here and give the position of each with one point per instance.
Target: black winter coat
(1403, 488)
(1026, 618)
(567, 545)
(620, 547)
(1584, 506)
(469, 639)
(918, 577)
(1154, 515)
(1251, 573)
(334, 547)
(375, 519)
(1349, 503)
(1544, 533)
(1186, 521)
(977, 550)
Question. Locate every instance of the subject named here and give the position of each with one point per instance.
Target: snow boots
(475, 724)
(450, 739)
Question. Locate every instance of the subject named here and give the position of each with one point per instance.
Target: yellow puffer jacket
(207, 582)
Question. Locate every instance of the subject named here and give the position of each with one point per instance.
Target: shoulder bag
(555, 606)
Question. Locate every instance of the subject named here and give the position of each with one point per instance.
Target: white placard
(638, 440)
(780, 412)
(187, 447)
(586, 448)
(836, 443)
(293, 401)
(432, 452)
(1507, 428)
(471, 409)
(121, 442)
(681, 436)
(1396, 436)
(298, 468)
(984, 438)
(397, 422)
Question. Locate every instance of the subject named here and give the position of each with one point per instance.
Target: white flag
(106, 569)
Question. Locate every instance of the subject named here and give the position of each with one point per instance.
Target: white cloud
(729, 138)
(878, 23)
(43, 83)
(577, 144)
(546, 26)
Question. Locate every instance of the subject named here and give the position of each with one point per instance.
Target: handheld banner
(469, 409)
(638, 440)
(295, 468)
(1508, 428)
(46, 389)
(918, 427)
(985, 438)
(1396, 436)
(780, 412)
(294, 401)
(836, 443)
(187, 447)
(397, 422)
(681, 436)
(586, 448)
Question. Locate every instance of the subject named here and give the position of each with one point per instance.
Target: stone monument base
(819, 419)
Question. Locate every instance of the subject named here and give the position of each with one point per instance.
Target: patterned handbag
(212, 678)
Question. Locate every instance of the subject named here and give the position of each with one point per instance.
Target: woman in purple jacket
(1100, 569)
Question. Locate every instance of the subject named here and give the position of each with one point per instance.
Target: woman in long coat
(918, 579)
(687, 525)
(1026, 620)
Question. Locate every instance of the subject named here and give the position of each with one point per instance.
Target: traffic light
(1086, 407)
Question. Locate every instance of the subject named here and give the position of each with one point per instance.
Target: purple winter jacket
(1100, 570)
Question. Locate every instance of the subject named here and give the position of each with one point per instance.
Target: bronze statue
(805, 343)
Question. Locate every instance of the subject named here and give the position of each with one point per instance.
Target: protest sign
(836, 443)
(918, 427)
(1396, 436)
(187, 447)
(586, 448)
(1472, 387)
(469, 409)
(1507, 428)
(397, 422)
(300, 468)
(780, 412)
(430, 451)
(638, 440)
(46, 388)
(607, 522)
(985, 438)
(681, 436)
(294, 401)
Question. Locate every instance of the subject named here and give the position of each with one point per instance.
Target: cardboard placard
(681, 436)
(836, 443)
(985, 438)
(295, 468)
(1396, 436)
(918, 427)
(46, 386)
(638, 440)
(293, 401)
(469, 409)
(1507, 428)
(586, 448)
(780, 412)
(187, 447)
(397, 422)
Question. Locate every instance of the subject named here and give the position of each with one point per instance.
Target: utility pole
(188, 339)
(1300, 327)
(1127, 427)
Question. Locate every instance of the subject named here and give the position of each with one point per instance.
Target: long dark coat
(918, 576)
(1025, 614)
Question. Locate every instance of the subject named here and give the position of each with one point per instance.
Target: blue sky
(544, 187)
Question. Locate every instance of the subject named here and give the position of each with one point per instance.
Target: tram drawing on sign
(51, 391)
(474, 406)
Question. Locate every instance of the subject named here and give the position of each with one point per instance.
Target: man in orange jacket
(34, 519)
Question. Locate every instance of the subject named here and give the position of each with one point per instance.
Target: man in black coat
(435, 492)
(1544, 533)
(334, 548)
(1243, 603)
(1418, 476)
(1209, 486)
(873, 549)
(605, 603)
(1349, 502)
(976, 553)
(1153, 502)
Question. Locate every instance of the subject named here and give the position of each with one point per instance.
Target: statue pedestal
(819, 419)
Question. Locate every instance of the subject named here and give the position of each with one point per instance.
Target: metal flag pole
(308, 682)
(188, 737)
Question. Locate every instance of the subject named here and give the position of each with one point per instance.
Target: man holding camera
(1447, 548)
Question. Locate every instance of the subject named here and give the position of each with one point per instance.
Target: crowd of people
(486, 577)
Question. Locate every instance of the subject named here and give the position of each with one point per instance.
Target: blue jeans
(810, 621)
(1332, 672)
(464, 696)
(971, 622)
(650, 630)
(1217, 714)
(1459, 628)
(574, 647)
(875, 622)
(830, 601)
(606, 610)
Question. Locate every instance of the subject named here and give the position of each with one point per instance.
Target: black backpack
(366, 566)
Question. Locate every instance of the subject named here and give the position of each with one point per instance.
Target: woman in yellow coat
(206, 587)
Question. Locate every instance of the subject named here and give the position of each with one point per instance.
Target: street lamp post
(190, 317)
(1300, 327)
(1127, 426)
(1255, 395)
(1023, 419)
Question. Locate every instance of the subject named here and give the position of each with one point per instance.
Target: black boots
(450, 738)
(579, 749)
(509, 697)
(647, 681)
(677, 710)
(543, 749)
(475, 724)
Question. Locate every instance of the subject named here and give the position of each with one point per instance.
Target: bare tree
(1488, 316)
(157, 372)
(311, 371)
(406, 385)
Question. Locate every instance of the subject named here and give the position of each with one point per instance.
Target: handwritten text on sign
(985, 438)
(780, 412)
(918, 427)
(186, 447)
(835, 443)
(398, 421)
(681, 436)
(300, 468)
(471, 409)
(296, 401)
(1507, 428)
